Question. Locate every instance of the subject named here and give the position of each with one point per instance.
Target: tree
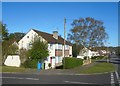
(88, 32)
(4, 31)
(13, 49)
(76, 49)
(23, 55)
(4, 40)
(39, 50)
(16, 36)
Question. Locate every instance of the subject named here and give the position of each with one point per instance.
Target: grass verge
(99, 68)
(12, 69)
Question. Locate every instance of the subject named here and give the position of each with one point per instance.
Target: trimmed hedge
(97, 57)
(69, 63)
(30, 63)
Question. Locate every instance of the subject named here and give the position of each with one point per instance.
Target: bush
(49, 65)
(30, 63)
(85, 58)
(97, 57)
(71, 62)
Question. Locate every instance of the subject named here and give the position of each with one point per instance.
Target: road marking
(112, 80)
(32, 78)
(118, 79)
(20, 78)
(78, 82)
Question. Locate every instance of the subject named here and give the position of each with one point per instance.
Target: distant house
(55, 45)
(103, 52)
(85, 52)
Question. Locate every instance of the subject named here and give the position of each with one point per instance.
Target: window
(66, 47)
(51, 47)
(60, 46)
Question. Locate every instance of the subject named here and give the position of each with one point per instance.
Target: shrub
(71, 62)
(49, 65)
(38, 50)
(85, 58)
(30, 63)
(97, 57)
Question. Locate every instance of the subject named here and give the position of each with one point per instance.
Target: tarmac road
(108, 79)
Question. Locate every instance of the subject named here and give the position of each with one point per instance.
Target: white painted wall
(81, 57)
(70, 50)
(13, 60)
(27, 39)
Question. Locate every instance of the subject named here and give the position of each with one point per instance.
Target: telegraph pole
(64, 38)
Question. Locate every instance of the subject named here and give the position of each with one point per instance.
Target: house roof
(50, 39)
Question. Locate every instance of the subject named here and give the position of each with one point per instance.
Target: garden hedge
(69, 63)
(30, 63)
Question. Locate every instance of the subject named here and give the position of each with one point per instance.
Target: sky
(49, 16)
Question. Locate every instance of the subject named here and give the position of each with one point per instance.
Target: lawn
(12, 69)
(99, 68)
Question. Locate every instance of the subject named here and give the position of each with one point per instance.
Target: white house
(85, 52)
(55, 45)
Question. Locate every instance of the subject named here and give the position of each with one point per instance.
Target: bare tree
(88, 32)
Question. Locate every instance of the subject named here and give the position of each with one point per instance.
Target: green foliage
(30, 63)
(8, 48)
(85, 58)
(49, 65)
(97, 57)
(12, 49)
(39, 50)
(69, 63)
(88, 32)
(23, 55)
(5, 33)
(16, 36)
(76, 49)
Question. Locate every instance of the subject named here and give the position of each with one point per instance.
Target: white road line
(118, 78)
(117, 75)
(78, 82)
(112, 80)
(21, 78)
(32, 78)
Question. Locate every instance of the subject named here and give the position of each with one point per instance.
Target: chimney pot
(55, 34)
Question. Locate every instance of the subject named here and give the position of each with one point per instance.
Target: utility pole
(64, 38)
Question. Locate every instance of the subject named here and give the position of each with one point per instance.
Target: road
(115, 59)
(108, 79)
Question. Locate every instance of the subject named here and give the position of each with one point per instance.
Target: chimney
(55, 34)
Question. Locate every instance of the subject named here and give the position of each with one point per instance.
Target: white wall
(70, 50)
(81, 57)
(27, 39)
(13, 60)
(51, 48)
